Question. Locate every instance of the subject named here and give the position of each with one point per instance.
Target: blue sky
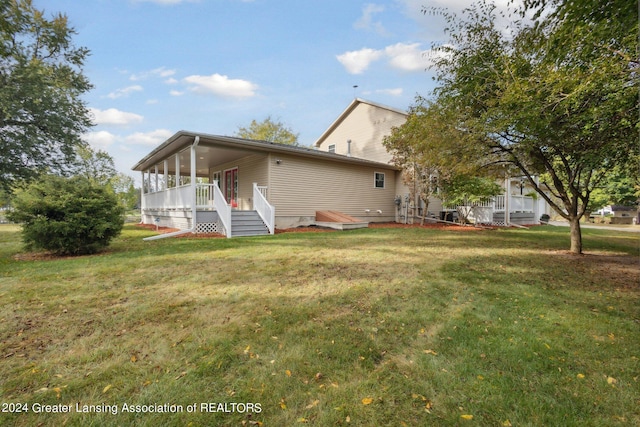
(211, 66)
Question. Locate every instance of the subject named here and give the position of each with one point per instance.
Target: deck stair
(339, 220)
(247, 223)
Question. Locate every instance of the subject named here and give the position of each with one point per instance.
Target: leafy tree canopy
(553, 96)
(268, 130)
(42, 115)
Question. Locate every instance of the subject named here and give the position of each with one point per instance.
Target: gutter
(194, 207)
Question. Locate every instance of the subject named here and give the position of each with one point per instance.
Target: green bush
(67, 216)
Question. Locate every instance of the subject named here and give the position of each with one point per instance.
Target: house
(360, 130)
(622, 214)
(209, 183)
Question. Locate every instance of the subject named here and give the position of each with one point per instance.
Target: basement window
(378, 178)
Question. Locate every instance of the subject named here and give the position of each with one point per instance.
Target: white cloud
(220, 85)
(393, 92)
(124, 92)
(152, 138)
(407, 57)
(162, 72)
(176, 93)
(357, 61)
(111, 116)
(171, 81)
(402, 56)
(99, 140)
(366, 20)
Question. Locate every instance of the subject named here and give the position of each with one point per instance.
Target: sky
(212, 66)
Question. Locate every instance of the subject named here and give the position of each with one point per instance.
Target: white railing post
(224, 210)
(265, 210)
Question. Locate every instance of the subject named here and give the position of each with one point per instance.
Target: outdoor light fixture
(278, 161)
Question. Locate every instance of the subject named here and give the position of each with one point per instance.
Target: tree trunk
(576, 235)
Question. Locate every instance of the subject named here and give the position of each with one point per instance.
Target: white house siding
(366, 126)
(298, 187)
(253, 168)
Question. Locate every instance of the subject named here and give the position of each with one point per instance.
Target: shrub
(67, 216)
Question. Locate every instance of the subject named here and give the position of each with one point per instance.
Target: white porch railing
(262, 206)
(180, 197)
(171, 198)
(516, 203)
(205, 195)
(223, 208)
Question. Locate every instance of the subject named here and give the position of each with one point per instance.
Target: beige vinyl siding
(253, 168)
(366, 126)
(301, 186)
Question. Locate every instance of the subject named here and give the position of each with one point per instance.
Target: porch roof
(230, 148)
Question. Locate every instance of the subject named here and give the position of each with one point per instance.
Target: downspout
(194, 207)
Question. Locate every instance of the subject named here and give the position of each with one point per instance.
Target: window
(332, 148)
(378, 180)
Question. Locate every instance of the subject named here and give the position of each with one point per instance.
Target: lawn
(374, 327)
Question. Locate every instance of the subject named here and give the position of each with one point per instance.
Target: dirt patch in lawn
(622, 271)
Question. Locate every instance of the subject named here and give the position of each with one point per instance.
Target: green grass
(363, 328)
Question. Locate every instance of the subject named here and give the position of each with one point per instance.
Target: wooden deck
(339, 221)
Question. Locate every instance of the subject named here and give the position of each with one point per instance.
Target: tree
(436, 156)
(554, 97)
(67, 216)
(41, 84)
(268, 130)
(123, 186)
(95, 165)
(465, 192)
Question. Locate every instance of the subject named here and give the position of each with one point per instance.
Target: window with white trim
(378, 179)
(332, 148)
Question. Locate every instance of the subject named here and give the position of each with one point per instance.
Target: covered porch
(508, 208)
(194, 183)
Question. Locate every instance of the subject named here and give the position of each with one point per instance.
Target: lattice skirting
(207, 227)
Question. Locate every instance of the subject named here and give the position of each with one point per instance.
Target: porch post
(194, 201)
(507, 201)
(142, 201)
(177, 169)
(165, 165)
(156, 173)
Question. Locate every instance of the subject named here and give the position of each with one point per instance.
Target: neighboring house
(623, 214)
(359, 132)
(208, 183)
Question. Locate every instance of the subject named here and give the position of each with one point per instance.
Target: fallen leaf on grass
(282, 404)
(466, 417)
(106, 389)
(580, 376)
(288, 372)
(367, 401)
(506, 423)
(611, 380)
(182, 374)
(430, 352)
(134, 359)
(303, 420)
(312, 404)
